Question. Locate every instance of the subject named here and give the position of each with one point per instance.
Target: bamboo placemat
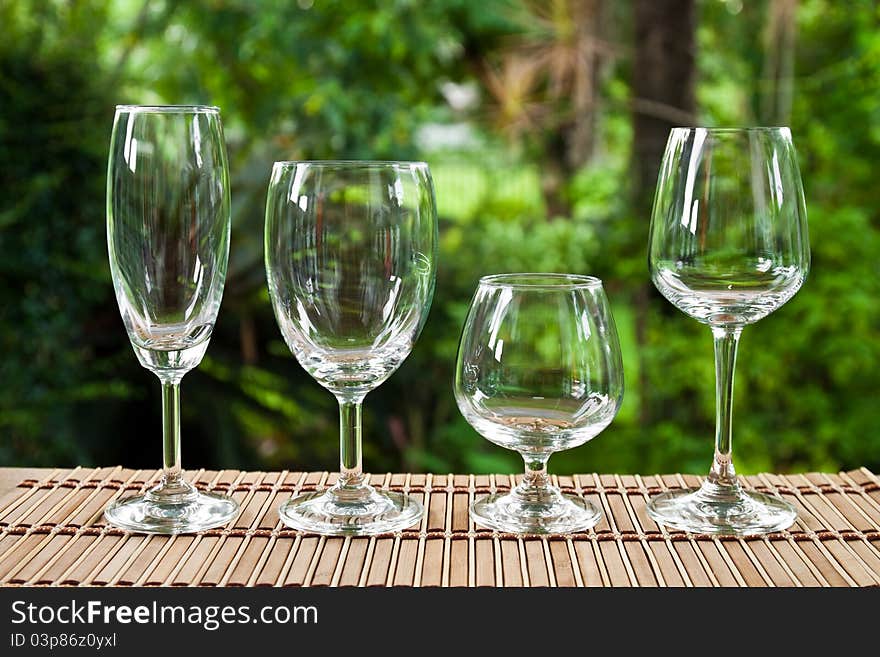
(52, 533)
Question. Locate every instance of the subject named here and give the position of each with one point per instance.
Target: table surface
(52, 533)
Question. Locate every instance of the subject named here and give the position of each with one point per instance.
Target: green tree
(334, 79)
(60, 355)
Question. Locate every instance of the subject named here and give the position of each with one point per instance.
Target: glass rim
(288, 164)
(723, 129)
(541, 280)
(169, 109)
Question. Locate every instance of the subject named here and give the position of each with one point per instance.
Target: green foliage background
(334, 79)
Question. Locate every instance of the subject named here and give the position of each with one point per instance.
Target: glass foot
(555, 513)
(354, 513)
(154, 513)
(722, 510)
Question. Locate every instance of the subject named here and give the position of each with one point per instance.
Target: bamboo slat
(52, 533)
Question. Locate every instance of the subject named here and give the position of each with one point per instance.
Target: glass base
(722, 510)
(550, 513)
(357, 511)
(182, 511)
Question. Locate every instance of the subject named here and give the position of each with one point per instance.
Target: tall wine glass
(168, 236)
(728, 246)
(351, 248)
(539, 371)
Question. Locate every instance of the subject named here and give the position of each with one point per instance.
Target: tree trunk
(573, 143)
(778, 78)
(663, 97)
(663, 86)
(585, 95)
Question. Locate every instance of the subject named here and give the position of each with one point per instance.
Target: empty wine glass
(350, 259)
(539, 371)
(728, 246)
(168, 237)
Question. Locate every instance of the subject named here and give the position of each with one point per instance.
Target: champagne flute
(728, 246)
(351, 248)
(539, 371)
(168, 220)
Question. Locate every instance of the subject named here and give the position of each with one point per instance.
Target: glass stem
(350, 467)
(726, 342)
(171, 474)
(536, 472)
(535, 487)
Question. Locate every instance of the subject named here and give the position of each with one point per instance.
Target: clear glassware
(168, 221)
(351, 248)
(728, 246)
(539, 371)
